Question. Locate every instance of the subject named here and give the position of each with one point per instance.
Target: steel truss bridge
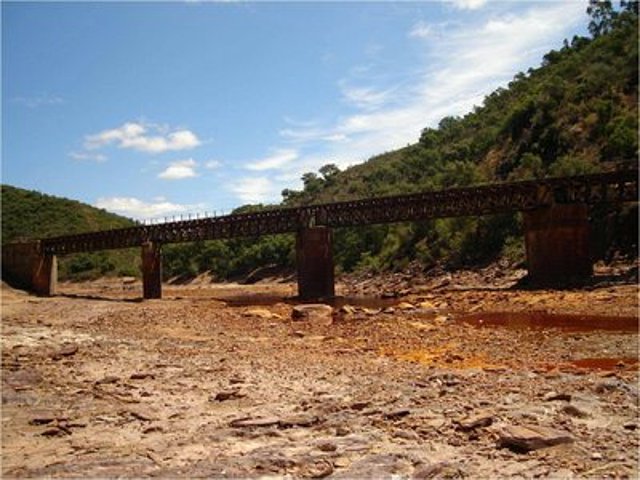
(614, 187)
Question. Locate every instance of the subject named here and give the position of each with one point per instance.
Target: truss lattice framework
(470, 201)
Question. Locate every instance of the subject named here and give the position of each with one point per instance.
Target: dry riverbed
(222, 381)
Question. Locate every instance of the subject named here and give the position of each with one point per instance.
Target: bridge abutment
(314, 258)
(151, 270)
(557, 243)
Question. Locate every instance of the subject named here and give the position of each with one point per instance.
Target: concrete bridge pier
(314, 258)
(557, 243)
(151, 270)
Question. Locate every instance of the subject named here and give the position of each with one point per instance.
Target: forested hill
(575, 113)
(30, 215)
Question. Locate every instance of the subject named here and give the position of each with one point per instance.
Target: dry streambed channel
(210, 383)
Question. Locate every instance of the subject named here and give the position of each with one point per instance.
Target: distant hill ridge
(27, 214)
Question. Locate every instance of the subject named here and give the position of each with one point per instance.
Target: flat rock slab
(43, 417)
(532, 437)
(141, 375)
(140, 413)
(476, 421)
(227, 395)
(66, 350)
(254, 422)
(262, 313)
(301, 420)
(312, 311)
(22, 379)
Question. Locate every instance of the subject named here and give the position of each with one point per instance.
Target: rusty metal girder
(612, 187)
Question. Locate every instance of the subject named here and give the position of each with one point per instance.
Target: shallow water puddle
(542, 320)
(605, 363)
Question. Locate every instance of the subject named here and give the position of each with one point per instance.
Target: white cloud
(179, 169)
(212, 164)
(462, 64)
(95, 157)
(255, 190)
(134, 136)
(136, 208)
(310, 134)
(469, 4)
(38, 100)
(366, 98)
(421, 30)
(278, 159)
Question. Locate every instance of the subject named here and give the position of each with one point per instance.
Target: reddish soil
(219, 381)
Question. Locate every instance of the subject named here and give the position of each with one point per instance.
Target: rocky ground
(237, 381)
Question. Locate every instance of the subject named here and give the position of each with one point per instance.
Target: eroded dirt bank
(97, 384)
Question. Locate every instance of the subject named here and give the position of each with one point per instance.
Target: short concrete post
(314, 256)
(557, 242)
(45, 275)
(151, 270)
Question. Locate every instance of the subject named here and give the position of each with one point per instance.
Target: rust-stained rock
(428, 306)
(398, 413)
(66, 350)
(318, 469)
(107, 380)
(300, 420)
(405, 306)
(228, 395)
(141, 375)
(54, 432)
(483, 419)
(254, 422)
(439, 470)
(44, 417)
(531, 437)
(143, 414)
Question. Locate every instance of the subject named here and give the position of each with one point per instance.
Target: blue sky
(152, 110)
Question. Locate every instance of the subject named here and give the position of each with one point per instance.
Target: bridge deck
(619, 186)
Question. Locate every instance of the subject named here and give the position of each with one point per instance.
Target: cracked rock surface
(98, 384)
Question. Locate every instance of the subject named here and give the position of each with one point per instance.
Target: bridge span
(556, 229)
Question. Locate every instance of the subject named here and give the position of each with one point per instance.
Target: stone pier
(25, 266)
(314, 256)
(151, 270)
(45, 275)
(557, 243)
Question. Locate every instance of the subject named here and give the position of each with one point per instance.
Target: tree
(329, 171)
(602, 17)
(312, 183)
(630, 6)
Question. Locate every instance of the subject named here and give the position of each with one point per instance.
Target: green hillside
(29, 215)
(576, 113)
